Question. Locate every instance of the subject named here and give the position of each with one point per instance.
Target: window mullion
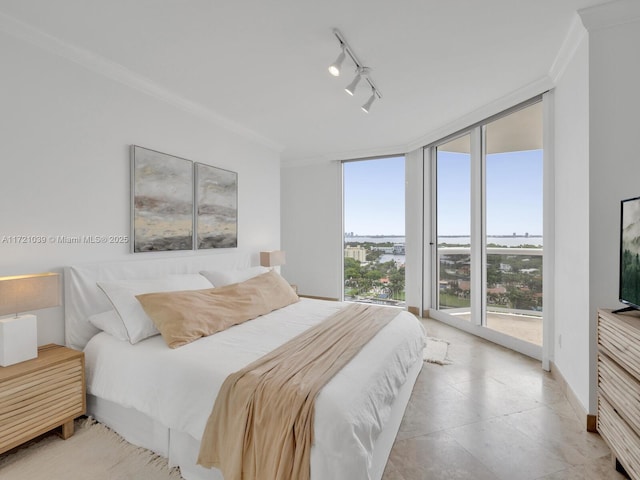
(477, 227)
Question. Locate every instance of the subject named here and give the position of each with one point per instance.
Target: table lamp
(24, 293)
(272, 259)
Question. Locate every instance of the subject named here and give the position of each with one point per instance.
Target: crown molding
(123, 75)
(575, 36)
(396, 151)
(611, 14)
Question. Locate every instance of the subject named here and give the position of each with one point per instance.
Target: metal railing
(503, 251)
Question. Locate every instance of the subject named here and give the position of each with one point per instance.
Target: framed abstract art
(161, 200)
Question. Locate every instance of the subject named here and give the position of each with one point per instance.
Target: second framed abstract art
(216, 207)
(179, 205)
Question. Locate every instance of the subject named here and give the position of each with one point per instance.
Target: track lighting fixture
(367, 106)
(334, 68)
(361, 71)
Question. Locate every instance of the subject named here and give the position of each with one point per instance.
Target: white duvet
(178, 387)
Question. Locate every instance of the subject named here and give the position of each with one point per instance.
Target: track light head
(367, 106)
(334, 68)
(351, 88)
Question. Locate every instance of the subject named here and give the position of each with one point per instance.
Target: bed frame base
(181, 449)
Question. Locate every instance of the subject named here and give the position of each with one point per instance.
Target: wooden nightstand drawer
(41, 394)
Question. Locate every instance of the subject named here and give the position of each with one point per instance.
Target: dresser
(619, 387)
(41, 394)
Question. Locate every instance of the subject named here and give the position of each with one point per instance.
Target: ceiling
(262, 64)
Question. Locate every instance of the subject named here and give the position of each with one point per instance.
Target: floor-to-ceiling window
(453, 216)
(513, 184)
(487, 247)
(374, 231)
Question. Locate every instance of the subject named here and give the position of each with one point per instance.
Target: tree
(352, 268)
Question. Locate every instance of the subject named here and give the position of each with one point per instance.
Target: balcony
(514, 292)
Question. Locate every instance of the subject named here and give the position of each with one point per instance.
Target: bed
(160, 398)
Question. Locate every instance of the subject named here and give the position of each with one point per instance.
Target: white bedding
(178, 387)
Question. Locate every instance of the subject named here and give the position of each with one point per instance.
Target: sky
(374, 194)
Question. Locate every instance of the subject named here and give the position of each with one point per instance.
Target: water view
(374, 270)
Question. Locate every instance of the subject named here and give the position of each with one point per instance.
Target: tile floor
(492, 414)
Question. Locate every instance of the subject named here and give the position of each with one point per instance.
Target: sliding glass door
(453, 216)
(487, 216)
(513, 183)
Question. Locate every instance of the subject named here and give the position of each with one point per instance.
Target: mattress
(177, 388)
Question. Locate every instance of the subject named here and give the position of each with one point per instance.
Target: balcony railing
(522, 323)
(454, 263)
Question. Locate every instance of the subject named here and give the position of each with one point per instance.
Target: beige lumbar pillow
(182, 317)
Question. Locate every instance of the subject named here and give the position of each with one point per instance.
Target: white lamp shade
(23, 293)
(273, 258)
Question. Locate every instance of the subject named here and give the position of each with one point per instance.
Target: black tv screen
(630, 252)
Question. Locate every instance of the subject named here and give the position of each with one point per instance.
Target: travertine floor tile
(597, 469)
(435, 457)
(492, 414)
(505, 450)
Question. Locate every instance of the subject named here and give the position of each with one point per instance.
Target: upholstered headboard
(83, 297)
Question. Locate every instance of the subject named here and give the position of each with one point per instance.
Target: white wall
(311, 198)
(64, 165)
(571, 149)
(614, 153)
(414, 214)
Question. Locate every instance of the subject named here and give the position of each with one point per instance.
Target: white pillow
(111, 323)
(122, 295)
(220, 278)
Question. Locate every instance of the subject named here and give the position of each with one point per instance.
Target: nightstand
(41, 394)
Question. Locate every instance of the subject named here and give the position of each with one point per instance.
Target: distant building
(388, 250)
(398, 248)
(358, 253)
(497, 290)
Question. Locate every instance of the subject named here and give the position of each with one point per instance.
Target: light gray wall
(64, 165)
(414, 214)
(614, 154)
(571, 149)
(311, 198)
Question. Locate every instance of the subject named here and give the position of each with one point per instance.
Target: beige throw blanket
(261, 426)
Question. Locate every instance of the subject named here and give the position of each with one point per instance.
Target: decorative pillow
(122, 295)
(111, 323)
(220, 278)
(183, 317)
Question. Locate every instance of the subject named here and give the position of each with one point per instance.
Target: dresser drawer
(621, 390)
(620, 437)
(619, 337)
